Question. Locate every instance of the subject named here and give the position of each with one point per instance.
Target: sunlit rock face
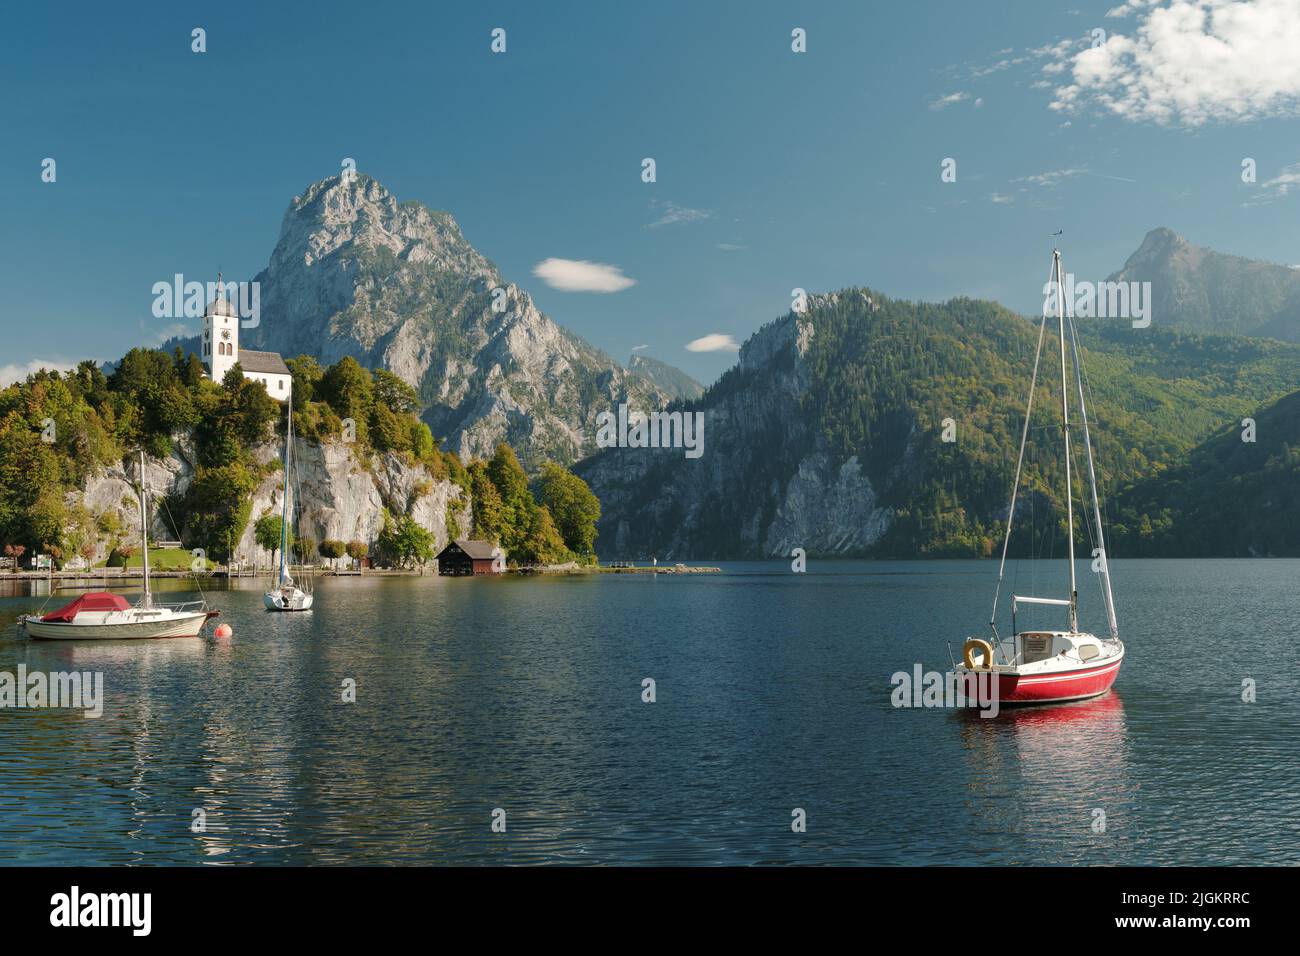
(397, 286)
(764, 484)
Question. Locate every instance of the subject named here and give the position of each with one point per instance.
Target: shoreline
(137, 574)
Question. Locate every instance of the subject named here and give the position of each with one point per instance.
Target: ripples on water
(773, 693)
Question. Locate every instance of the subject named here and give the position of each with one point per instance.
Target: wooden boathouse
(466, 556)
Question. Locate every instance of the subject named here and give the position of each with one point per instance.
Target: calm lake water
(773, 692)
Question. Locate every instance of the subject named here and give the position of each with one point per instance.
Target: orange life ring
(968, 657)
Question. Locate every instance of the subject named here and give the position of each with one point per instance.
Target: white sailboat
(102, 615)
(1052, 666)
(286, 594)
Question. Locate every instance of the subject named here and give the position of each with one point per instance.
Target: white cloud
(1001, 198)
(714, 342)
(18, 371)
(579, 275)
(944, 102)
(1055, 177)
(731, 247)
(675, 214)
(1286, 182)
(638, 348)
(1190, 62)
(1129, 8)
(1052, 178)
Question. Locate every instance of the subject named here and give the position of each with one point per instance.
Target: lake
(772, 693)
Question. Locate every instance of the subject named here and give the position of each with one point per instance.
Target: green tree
(387, 431)
(307, 374)
(174, 410)
(140, 370)
(543, 544)
(517, 504)
(357, 551)
(346, 386)
(215, 507)
(425, 447)
(268, 531)
(393, 392)
(32, 485)
(572, 505)
(332, 550)
(193, 372)
(487, 505)
(405, 541)
(250, 409)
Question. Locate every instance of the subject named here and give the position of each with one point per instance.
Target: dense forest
(1235, 495)
(922, 405)
(884, 378)
(56, 430)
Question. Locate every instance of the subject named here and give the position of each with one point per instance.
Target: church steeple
(220, 334)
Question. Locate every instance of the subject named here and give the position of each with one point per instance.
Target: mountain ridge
(828, 435)
(1200, 288)
(397, 286)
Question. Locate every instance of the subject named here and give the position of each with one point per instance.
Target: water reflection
(526, 694)
(1050, 778)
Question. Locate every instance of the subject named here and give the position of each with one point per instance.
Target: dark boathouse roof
(475, 549)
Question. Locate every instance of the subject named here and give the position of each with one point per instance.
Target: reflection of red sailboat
(1097, 713)
(1048, 667)
(1040, 783)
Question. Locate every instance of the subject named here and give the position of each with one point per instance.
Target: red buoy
(224, 630)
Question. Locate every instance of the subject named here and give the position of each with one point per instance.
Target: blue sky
(774, 169)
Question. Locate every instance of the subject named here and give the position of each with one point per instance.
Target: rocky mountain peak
(358, 210)
(398, 286)
(1162, 239)
(1200, 288)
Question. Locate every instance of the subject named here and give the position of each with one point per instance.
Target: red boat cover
(95, 601)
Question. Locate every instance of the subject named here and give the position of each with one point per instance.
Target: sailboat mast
(1096, 499)
(284, 519)
(144, 534)
(1065, 429)
(1020, 462)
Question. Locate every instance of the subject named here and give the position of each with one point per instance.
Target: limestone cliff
(342, 497)
(765, 483)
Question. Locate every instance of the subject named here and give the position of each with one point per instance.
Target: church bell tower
(220, 335)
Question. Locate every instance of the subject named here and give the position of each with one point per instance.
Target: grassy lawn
(165, 559)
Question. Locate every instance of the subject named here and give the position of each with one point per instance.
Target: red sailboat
(1052, 666)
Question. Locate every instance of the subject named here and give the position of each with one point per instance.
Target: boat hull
(299, 602)
(184, 625)
(1058, 687)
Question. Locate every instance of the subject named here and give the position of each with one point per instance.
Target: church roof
(265, 363)
(220, 306)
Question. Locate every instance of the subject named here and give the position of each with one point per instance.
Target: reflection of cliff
(1039, 775)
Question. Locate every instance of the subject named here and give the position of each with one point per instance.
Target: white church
(221, 350)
